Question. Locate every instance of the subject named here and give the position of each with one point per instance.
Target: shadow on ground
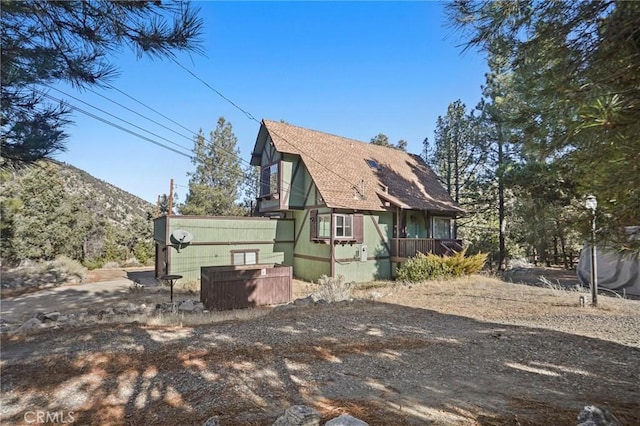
(384, 363)
(146, 277)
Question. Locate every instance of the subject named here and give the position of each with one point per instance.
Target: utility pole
(170, 212)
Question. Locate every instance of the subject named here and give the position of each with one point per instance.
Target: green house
(359, 209)
(328, 206)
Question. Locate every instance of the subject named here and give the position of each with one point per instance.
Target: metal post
(594, 265)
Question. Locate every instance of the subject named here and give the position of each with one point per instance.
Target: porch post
(332, 263)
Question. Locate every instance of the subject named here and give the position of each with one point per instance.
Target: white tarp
(615, 271)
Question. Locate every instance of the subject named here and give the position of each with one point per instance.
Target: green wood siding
(215, 237)
(378, 264)
(159, 229)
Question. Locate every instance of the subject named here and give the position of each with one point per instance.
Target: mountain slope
(50, 209)
(117, 205)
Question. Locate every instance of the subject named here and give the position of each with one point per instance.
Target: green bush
(423, 267)
(67, 268)
(92, 264)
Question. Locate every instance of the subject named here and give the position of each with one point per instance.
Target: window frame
(268, 178)
(344, 226)
(353, 223)
(244, 257)
(433, 227)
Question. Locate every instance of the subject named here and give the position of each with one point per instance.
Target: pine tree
(48, 41)
(215, 185)
(576, 73)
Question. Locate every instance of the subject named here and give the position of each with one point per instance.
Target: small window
(344, 228)
(244, 257)
(373, 164)
(324, 226)
(270, 179)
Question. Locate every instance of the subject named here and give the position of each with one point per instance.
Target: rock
(375, 295)
(32, 324)
(592, 415)
(346, 420)
(306, 301)
(52, 316)
(187, 306)
(131, 309)
(299, 415)
(286, 307)
(212, 421)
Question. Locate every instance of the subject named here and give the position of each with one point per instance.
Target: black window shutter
(313, 225)
(358, 227)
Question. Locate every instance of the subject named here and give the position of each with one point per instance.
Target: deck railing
(408, 247)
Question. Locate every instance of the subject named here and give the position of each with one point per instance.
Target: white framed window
(441, 227)
(244, 257)
(343, 226)
(324, 226)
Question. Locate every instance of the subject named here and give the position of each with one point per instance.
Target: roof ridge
(266, 121)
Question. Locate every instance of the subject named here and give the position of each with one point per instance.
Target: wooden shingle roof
(357, 175)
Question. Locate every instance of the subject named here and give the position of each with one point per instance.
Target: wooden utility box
(245, 286)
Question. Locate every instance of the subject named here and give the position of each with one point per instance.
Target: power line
(189, 138)
(110, 123)
(251, 117)
(194, 159)
(118, 118)
(148, 107)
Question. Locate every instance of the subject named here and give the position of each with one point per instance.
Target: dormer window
(270, 180)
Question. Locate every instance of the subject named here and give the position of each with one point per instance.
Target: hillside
(51, 209)
(117, 205)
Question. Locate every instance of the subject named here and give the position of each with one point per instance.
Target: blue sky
(354, 69)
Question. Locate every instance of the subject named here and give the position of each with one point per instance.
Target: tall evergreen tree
(577, 68)
(48, 221)
(48, 41)
(215, 185)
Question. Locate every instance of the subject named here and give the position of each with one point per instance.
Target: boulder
(299, 415)
(346, 420)
(32, 324)
(51, 316)
(187, 306)
(592, 415)
(306, 301)
(212, 421)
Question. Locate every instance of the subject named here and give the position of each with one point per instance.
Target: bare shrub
(130, 262)
(333, 289)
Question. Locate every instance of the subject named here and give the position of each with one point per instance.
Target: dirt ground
(474, 351)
